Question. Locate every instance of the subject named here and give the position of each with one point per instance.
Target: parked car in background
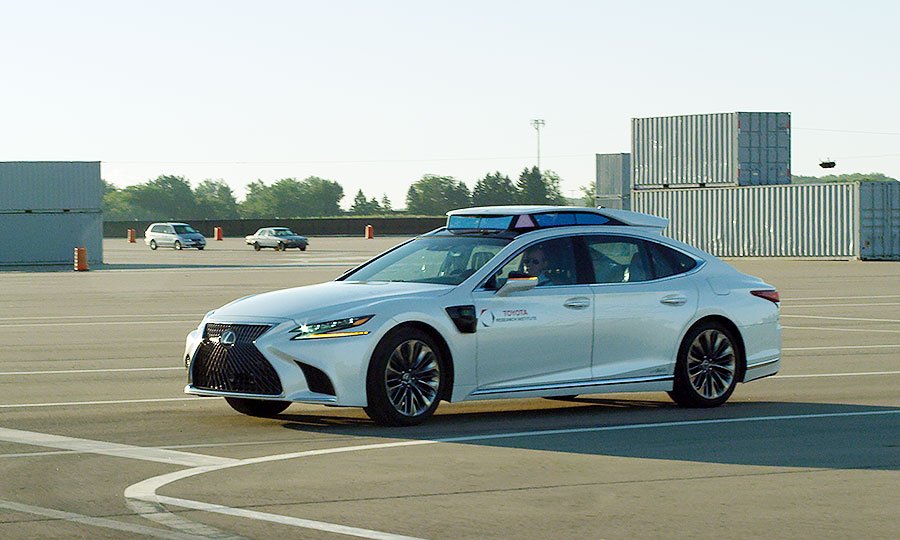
(279, 238)
(174, 235)
(503, 302)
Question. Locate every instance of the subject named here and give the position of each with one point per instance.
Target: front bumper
(321, 371)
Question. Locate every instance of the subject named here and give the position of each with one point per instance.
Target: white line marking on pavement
(841, 297)
(844, 305)
(146, 490)
(69, 371)
(836, 347)
(110, 402)
(841, 329)
(93, 521)
(812, 375)
(142, 316)
(172, 457)
(840, 318)
(97, 323)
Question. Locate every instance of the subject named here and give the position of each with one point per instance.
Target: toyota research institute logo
(228, 338)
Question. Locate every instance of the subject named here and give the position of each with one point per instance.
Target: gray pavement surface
(91, 408)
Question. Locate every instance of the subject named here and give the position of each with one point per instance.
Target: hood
(327, 299)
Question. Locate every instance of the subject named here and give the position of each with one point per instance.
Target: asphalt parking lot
(97, 439)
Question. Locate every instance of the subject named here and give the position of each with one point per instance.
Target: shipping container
(814, 220)
(50, 238)
(879, 220)
(721, 149)
(613, 175)
(48, 186)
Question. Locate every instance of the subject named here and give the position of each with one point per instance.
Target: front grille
(238, 368)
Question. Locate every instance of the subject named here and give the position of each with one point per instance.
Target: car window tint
(551, 261)
(158, 229)
(669, 262)
(618, 259)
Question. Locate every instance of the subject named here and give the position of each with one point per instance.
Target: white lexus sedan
(516, 301)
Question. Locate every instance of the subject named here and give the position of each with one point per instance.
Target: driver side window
(551, 261)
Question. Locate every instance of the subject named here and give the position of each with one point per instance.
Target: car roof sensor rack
(520, 219)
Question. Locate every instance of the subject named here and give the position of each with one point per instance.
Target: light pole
(537, 125)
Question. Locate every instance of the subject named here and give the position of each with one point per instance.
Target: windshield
(184, 229)
(447, 260)
(283, 232)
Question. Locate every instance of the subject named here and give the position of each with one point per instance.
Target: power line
(320, 162)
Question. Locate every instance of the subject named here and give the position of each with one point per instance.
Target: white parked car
(279, 238)
(503, 302)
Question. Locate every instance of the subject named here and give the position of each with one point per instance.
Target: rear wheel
(280, 246)
(256, 246)
(153, 244)
(177, 245)
(257, 407)
(405, 380)
(707, 367)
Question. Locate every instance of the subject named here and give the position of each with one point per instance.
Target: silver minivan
(174, 235)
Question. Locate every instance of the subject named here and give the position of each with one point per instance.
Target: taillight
(770, 295)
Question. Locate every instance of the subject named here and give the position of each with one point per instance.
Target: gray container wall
(816, 220)
(722, 149)
(879, 220)
(50, 238)
(613, 175)
(40, 186)
(619, 203)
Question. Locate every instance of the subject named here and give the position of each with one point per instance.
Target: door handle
(577, 303)
(674, 300)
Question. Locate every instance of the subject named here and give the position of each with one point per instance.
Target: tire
(303, 248)
(570, 397)
(406, 379)
(256, 246)
(280, 246)
(153, 245)
(707, 368)
(200, 248)
(257, 407)
(177, 245)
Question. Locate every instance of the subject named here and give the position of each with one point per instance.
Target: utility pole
(537, 125)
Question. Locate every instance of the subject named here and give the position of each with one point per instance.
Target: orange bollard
(131, 239)
(217, 233)
(81, 263)
(370, 232)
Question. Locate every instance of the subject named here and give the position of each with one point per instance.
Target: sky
(375, 94)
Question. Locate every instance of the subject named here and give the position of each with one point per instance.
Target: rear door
(640, 309)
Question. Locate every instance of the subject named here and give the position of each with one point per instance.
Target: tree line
(172, 197)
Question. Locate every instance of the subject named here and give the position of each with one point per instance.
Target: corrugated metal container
(41, 186)
(620, 203)
(613, 175)
(879, 220)
(815, 220)
(741, 148)
(50, 239)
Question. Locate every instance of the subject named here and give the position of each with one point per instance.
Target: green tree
(434, 195)
(386, 204)
(531, 187)
(364, 207)
(259, 201)
(215, 200)
(321, 197)
(117, 205)
(552, 183)
(587, 196)
(165, 197)
(852, 177)
(494, 189)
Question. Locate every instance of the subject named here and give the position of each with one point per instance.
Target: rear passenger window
(618, 259)
(669, 262)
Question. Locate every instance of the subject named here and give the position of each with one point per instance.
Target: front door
(538, 338)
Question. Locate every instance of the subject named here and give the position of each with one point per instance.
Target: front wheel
(303, 248)
(177, 245)
(405, 379)
(256, 246)
(280, 246)
(707, 367)
(257, 407)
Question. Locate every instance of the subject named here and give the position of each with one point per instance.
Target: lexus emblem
(228, 338)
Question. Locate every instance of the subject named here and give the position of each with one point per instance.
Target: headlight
(331, 329)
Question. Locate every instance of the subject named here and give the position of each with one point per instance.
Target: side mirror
(517, 282)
